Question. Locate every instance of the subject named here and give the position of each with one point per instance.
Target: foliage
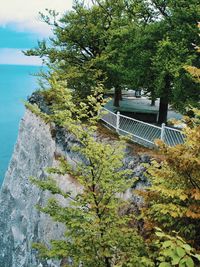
(126, 44)
(122, 44)
(174, 197)
(194, 71)
(173, 200)
(78, 48)
(174, 251)
(155, 53)
(98, 226)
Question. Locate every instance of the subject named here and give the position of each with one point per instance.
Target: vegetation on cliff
(101, 230)
(173, 199)
(99, 225)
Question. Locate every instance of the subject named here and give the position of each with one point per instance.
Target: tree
(174, 197)
(124, 46)
(174, 50)
(167, 63)
(99, 230)
(157, 51)
(172, 201)
(78, 47)
(127, 44)
(137, 56)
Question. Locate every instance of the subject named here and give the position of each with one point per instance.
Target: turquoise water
(16, 83)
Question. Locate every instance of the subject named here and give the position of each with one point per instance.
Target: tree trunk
(120, 94)
(107, 262)
(153, 102)
(117, 97)
(153, 97)
(163, 108)
(164, 101)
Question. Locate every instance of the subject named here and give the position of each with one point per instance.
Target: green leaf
(165, 264)
(182, 264)
(197, 256)
(175, 260)
(189, 262)
(167, 243)
(159, 234)
(168, 252)
(180, 251)
(187, 247)
(182, 261)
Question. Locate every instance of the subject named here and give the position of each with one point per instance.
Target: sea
(17, 82)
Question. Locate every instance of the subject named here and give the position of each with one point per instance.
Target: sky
(21, 28)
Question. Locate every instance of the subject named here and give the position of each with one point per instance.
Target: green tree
(168, 63)
(124, 50)
(158, 49)
(137, 56)
(127, 44)
(99, 230)
(178, 20)
(78, 48)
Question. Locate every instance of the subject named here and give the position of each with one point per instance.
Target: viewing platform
(141, 109)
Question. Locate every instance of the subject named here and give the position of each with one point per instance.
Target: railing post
(117, 123)
(162, 131)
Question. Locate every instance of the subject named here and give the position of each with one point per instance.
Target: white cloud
(23, 14)
(14, 56)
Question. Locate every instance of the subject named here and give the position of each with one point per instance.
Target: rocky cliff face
(21, 223)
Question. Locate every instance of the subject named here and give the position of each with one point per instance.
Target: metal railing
(109, 117)
(172, 136)
(141, 132)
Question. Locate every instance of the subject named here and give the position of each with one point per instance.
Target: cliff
(21, 223)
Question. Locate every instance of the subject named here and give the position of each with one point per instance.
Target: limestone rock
(21, 223)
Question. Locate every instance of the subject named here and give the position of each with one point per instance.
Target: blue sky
(12, 38)
(20, 28)
(13, 41)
